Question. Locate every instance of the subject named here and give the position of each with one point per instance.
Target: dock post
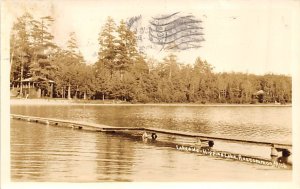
(153, 136)
(286, 153)
(211, 143)
(274, 152)
(144, 136)
(286, 157)
(199, 142)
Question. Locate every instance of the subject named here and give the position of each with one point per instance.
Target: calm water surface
(46, 153)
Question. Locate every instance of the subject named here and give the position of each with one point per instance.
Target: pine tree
(107, 42)
(20, 51)
(71, 68)
(73, 49)
(42, 68)
(127, 53)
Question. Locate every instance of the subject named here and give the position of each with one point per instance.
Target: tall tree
(126, 49)
(71, 66)
(20, 50)
(42, 68)
(107, 42)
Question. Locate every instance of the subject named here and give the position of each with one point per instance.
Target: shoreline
(112, 103)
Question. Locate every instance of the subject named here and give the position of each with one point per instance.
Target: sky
(242, 36)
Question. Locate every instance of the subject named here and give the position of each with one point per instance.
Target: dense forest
(123, 73)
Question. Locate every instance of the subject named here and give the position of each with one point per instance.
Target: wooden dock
(153, 132)
(217, 138)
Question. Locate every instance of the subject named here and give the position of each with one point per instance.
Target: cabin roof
(34, 80)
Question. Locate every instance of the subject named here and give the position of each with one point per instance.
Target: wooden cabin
(30, 88)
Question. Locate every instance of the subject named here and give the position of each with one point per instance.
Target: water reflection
(114, 159)
(49, 153)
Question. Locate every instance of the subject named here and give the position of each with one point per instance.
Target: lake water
(46, 153)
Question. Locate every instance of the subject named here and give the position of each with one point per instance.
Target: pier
(153, 133)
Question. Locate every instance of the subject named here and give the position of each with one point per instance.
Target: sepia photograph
(149, 91)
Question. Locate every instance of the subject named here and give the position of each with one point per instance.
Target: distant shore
(16, 101)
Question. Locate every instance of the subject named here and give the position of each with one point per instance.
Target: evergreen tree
(126, 49)
(107, 42)
(42, 68)
(123, 73)
(20, 47)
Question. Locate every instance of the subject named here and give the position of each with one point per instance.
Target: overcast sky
(243, 36)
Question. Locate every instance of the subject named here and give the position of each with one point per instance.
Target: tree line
(123, 73)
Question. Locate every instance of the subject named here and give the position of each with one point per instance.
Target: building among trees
(123, 73)
(30, 88)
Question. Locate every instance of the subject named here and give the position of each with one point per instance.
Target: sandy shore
(112, 103)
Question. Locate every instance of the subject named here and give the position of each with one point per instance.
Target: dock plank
(212, 137)
(100, 127)
(87, 124)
